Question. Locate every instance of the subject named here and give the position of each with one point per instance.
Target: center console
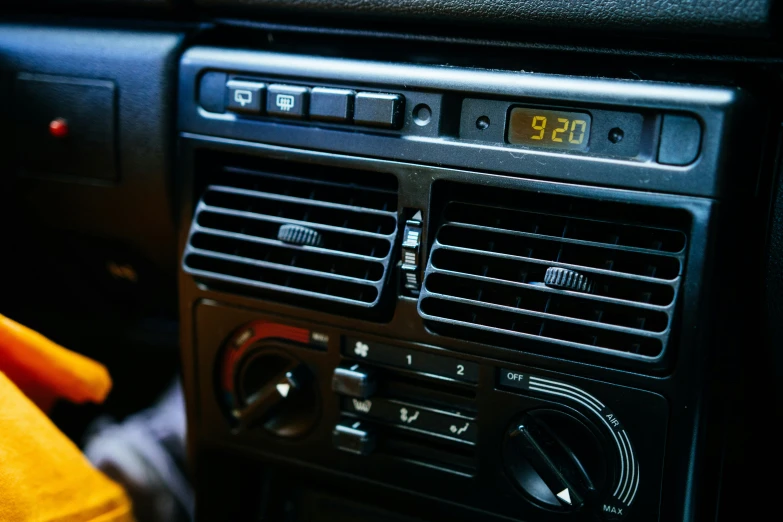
(424, 293)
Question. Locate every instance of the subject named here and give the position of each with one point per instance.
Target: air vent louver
(335, 246)
(486, 272)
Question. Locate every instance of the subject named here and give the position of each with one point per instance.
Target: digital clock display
(549, 129)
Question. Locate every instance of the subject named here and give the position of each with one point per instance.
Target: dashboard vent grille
(335, 245)
(485, 276)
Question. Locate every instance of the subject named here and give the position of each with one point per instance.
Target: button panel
(317, 103)
(419, 429)
(467, 126)
(439, 365)
(430, 421)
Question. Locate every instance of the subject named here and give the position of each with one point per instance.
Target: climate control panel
(493, 437)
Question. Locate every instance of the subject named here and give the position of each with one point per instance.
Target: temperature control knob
(557, 460)
(275, 391)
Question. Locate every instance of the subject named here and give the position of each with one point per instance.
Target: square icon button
(245, 96)
(287, 101)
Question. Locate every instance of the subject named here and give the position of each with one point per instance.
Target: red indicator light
(58, 128)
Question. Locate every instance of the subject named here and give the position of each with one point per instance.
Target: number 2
(555, 132)
(539, 123)
(460, 369)
(410, 359)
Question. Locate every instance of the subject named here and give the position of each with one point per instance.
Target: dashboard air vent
(307, 233)
(543, 273)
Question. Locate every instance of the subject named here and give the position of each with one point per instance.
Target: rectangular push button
(245, 96)
(353, 381)
(439, 365)
(514, 379)
(287, 101)
(378, 109)
(433, 422)
(680, 140)
(353, 437)
(331, 104)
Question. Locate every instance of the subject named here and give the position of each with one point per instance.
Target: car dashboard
(416, 261)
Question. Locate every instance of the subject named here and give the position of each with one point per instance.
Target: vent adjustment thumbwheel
(564, 279)
(299, 235)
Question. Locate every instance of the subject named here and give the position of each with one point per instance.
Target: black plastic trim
(716, 107)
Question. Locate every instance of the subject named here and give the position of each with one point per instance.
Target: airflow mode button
(407, 415)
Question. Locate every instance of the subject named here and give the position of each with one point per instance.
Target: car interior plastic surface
(117, 98)
(728, 17)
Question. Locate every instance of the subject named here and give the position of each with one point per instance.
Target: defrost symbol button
(287, 101)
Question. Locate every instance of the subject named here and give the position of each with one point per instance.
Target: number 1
(555, 137)
(410, 359)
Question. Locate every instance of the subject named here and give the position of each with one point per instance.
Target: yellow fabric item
(43, 475)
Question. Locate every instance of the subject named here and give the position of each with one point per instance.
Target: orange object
(45, 371)
(43, 475)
